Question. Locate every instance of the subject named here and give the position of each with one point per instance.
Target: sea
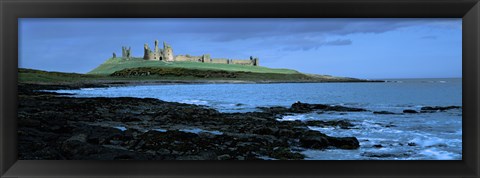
(421, 136)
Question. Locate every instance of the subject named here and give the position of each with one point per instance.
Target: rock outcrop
(57, 127)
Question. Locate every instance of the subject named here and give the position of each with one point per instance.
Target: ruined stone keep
(126, 52)
(166, 54)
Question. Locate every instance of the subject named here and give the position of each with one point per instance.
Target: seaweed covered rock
(299, 107)
(317, 140)
(125, 128)
(439, 108)
(410, 111)
(343, 124)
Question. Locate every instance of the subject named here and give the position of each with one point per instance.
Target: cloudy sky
(362, 48)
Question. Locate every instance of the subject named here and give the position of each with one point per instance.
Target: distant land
(140, 71)
(162, 66)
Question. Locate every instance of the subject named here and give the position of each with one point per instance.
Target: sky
(348, 47)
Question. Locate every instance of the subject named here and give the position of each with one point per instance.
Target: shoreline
(55, 127)
(101, 84)
(173, 76)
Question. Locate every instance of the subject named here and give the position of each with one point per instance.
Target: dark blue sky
(362, 48)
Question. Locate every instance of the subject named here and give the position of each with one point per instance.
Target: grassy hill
(40, 76)
(116, 64)
(137, 71)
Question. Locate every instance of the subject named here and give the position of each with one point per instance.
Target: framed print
(239, 88)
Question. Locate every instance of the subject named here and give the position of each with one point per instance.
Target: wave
(429, 141)
(160, 130)
(88, 89)
(437, 154)
(197, 131)
(121, 128)
(299, 117)
(196, 102)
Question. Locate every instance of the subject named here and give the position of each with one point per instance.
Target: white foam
(196, 102)
(434, 153)
(370, 124)
(160, 130)
(292, 118)
(430, 141)
(121, 128)
(197, 131)
(321, 128)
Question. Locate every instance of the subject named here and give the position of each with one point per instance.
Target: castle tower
(206, 58)
(256, 61)
(167, 52)
(157, 52)
(147, 55)
(126, 52)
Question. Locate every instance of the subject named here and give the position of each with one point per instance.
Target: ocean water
(422, 136)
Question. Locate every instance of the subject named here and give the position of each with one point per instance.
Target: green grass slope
(167, 75)
(116, 64)
(39, 76)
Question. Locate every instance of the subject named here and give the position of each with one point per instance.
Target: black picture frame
(11, 10)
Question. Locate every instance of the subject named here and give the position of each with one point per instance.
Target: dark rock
(314, 140)
(317, 140)
(224, 157)
(283, 153)
(383, 112)
(204, 155)
(265, 131)
(378, 155)
(344, 142)
(377, 146)
(275, 110)
(410, 111)
(340, 123)
(240, 158)
(131, 119)
(412, 144)
(57, 127)
(299, 107)
(439, 108)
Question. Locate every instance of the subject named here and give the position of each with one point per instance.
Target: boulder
(410, 111)
(383, 112)
(314, 140)
(340, 123)
(344, 142)
(299, 107)
(439, 108)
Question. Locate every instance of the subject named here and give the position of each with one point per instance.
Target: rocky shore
(55, 127)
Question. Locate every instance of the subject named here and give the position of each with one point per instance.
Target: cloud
(222, 29)
(339, 43)
(242, 30)
(306, 45)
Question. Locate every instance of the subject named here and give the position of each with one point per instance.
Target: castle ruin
(166, 54)
(126, 52)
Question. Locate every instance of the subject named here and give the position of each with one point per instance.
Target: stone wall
(218, 61)
(242, 62)
(188, 58)
(166, 54)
